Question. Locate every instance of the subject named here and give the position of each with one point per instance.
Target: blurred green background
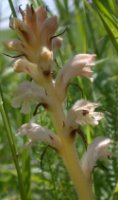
(91, 27)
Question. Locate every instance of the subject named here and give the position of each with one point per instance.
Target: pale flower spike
(36, 46)
(80, 65)
(82, 112)
(28, 93)
(97, 150)
(37, 133)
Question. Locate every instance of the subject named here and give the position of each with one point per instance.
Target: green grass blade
(115, 196)
(11, 144)
(109, 23)
(91, 31)
(111, 36)
(12, 8)
(26, 172)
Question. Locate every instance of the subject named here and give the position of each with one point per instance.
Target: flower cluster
(36, 45)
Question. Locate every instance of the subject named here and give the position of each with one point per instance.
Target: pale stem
(82, 185)
(67, 150)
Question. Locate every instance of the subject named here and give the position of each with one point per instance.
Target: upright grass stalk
(26, 173)
(92, 34)
(12, 8)
(12, 145)
(24, 176)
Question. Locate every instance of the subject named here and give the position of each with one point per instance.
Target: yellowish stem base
(82, 185)
(67, 148)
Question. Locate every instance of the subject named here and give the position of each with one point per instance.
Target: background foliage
(91, 27)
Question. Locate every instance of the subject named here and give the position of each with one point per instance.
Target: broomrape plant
(36, 45)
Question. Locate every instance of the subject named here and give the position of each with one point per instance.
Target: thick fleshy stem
(67, 150)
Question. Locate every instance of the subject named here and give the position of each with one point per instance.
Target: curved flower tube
(36, 133)
(22, 65)
(79, 65)
(97, 150)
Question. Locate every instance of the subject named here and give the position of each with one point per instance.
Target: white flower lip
(82, 112)
(37, 133)
(28, 93)
(97, 150)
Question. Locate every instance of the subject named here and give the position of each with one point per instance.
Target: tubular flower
(23, 65)
(36, 32)
(27, 93)
(98, 150)
(80, 65)
(82, 112)
(37, 133)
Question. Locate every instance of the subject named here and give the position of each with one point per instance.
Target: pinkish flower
(37, 133)
(82, 112)
(28, 93)
(97, 150)
(80, 65)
